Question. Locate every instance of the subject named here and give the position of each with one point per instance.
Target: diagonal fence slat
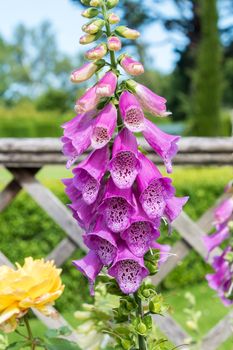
(24, 158)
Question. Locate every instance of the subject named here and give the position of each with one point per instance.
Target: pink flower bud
(85, 72)
(89, 38)
(93, 27)
(131, 66)
(127, 33)
(97, 52)
(114, 43)
(113, 18)
(107, 85)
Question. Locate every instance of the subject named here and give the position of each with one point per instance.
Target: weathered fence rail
(25, 157)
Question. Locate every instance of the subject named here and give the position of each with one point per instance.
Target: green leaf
(54, 333)
(61, 344)
(18, 345)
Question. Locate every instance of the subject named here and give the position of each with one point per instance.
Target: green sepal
(151, 261)
(146, 291)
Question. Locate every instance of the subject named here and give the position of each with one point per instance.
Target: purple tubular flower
(222, 279)
(90, 266)
(103, 242)
(83, 213)
(216, 239)
(70, 190)
(87, 102)
(165, 145)
(131, 66)
(174, 207)
(89, 173)
(124, 165)
(131, 112)
(154, 104)
(107, 85)
(128, 270)
(117, 207)
(77, 136)
(223, 212)
(154, 189)
(104, 126)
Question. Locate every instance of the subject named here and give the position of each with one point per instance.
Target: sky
(66, 21)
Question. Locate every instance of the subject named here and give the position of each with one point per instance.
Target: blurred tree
(207, 87)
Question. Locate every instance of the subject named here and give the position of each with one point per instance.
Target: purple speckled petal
(154, 188)
(90, 266)
(174, 207)
(89, 173)
(128, 270)
(102, 241)
(104, 126)
(165, 145)
(216, 239)
(131, 112)
(125, 164)
(117, 207)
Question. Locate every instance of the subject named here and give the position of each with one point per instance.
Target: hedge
(27, 230)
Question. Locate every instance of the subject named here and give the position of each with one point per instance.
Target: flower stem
(108, 31)
(29, 331)
(141, 339)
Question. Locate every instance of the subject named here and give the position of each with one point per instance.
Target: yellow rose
(36, 284)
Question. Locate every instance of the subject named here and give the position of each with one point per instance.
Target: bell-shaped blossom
(131, 112)
(222, 279)
(128, 270)
(124, 165)
(113, 18)
(151, 102)
(90, 266)
(70, 189)
(127, 33)
(89, 173)
(104, 126)
(77, 137)
(154, 189)
(117, 207)
(165, 145)
(84, 73)
(87, 102)
(216, 239)
(97, 52)
(174, 207)
(141, 233)
(83, 213)
(106, 85)
(102, 241)
(223, 212)
(114, 43)
(131, 66)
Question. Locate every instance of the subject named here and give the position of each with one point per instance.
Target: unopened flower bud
(93, 27)
(97, 52)
(112, 3)
(90, 13)
(96, 3)
(127, 33)
(89, 38)
(86, 71)
(131, 66)
(141, 328)
(114, 43)
(126, 344)
(113, 18)
(85, 2)
(155, 306)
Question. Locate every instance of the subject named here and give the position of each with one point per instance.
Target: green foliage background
(27, 230)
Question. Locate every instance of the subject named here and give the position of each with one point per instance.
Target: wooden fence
(25, 157)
